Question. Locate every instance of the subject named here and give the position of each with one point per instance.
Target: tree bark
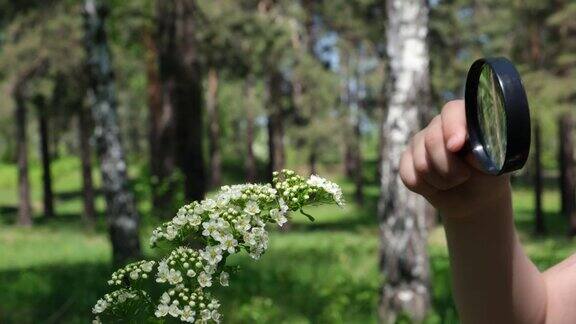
(18, 94)
(42, 111)
(122, 217)
(214, 129)
(84, 129)
(181, 78)
(24, 205)
(162, 134)
(401, 213)
(539, 227)
(276, 157)
(567, 172)
(250, 163)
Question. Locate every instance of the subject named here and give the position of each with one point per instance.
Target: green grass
(321, 272)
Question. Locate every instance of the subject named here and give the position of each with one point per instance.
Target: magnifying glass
(497, 115)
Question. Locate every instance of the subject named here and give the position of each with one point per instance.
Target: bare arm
(494, 281)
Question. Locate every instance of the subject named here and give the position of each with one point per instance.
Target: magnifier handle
(466, 154)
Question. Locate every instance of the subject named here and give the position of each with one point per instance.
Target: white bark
(401, 213)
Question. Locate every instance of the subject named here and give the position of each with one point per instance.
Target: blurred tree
(123, 220)
(214, 129)
(84, 125)
(401, 213)
(567, 170)
(249, 98)
(19, 93)
(42, 112)
(539, 227)
(181, 78)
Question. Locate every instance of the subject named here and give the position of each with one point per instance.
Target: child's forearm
(494, 281)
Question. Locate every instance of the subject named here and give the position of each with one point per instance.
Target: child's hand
(432, 167)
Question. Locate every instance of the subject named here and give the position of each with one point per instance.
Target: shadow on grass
(277, 289)
(52, 294)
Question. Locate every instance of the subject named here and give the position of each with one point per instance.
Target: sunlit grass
(320, 272)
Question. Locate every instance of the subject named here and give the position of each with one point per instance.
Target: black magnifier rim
(516, 110)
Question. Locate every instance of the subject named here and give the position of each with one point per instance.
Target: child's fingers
(450, 167)
(454, 125)
(410, 177)
(423, 163)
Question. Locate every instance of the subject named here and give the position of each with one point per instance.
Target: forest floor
(321, 272)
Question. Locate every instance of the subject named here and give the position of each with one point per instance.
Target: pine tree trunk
(24, 204)
(181, 78)
(42, 111)
(313, 158)
(539, 227)
(567, 171)
(358, 176)
(122, 217)
(214, 129)
(276, 156)
(401, 213)
(162, 134)
(250, 162)
(84, 128)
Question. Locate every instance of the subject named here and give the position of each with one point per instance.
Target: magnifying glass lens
(492, 116)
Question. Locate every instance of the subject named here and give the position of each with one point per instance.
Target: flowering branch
(203, 235)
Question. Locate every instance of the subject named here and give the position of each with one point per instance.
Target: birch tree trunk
(122, 217)
(401, 213)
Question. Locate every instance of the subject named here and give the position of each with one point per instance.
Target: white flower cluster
(115, 299)
(328, 186)
(188, 306)
(207, 232)
(134, 271)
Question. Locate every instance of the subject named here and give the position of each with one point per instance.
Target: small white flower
(100, 306)
(147, 266)
(278, 217)
(96, 320)
(195, 220)
(252, 208)
(208, 204)
(162, 310)
(163, 272)
(206, 314)
(210, 228)
(171, 232)
(165, 299)
(229, 243)
(283, 207)
(174, 311)
(174, 277)
(216, 316)
(243, 224)
(134, 275)
(187, 314)
(191, 273)
(212, 254)
(224, 278)
(204, 280)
